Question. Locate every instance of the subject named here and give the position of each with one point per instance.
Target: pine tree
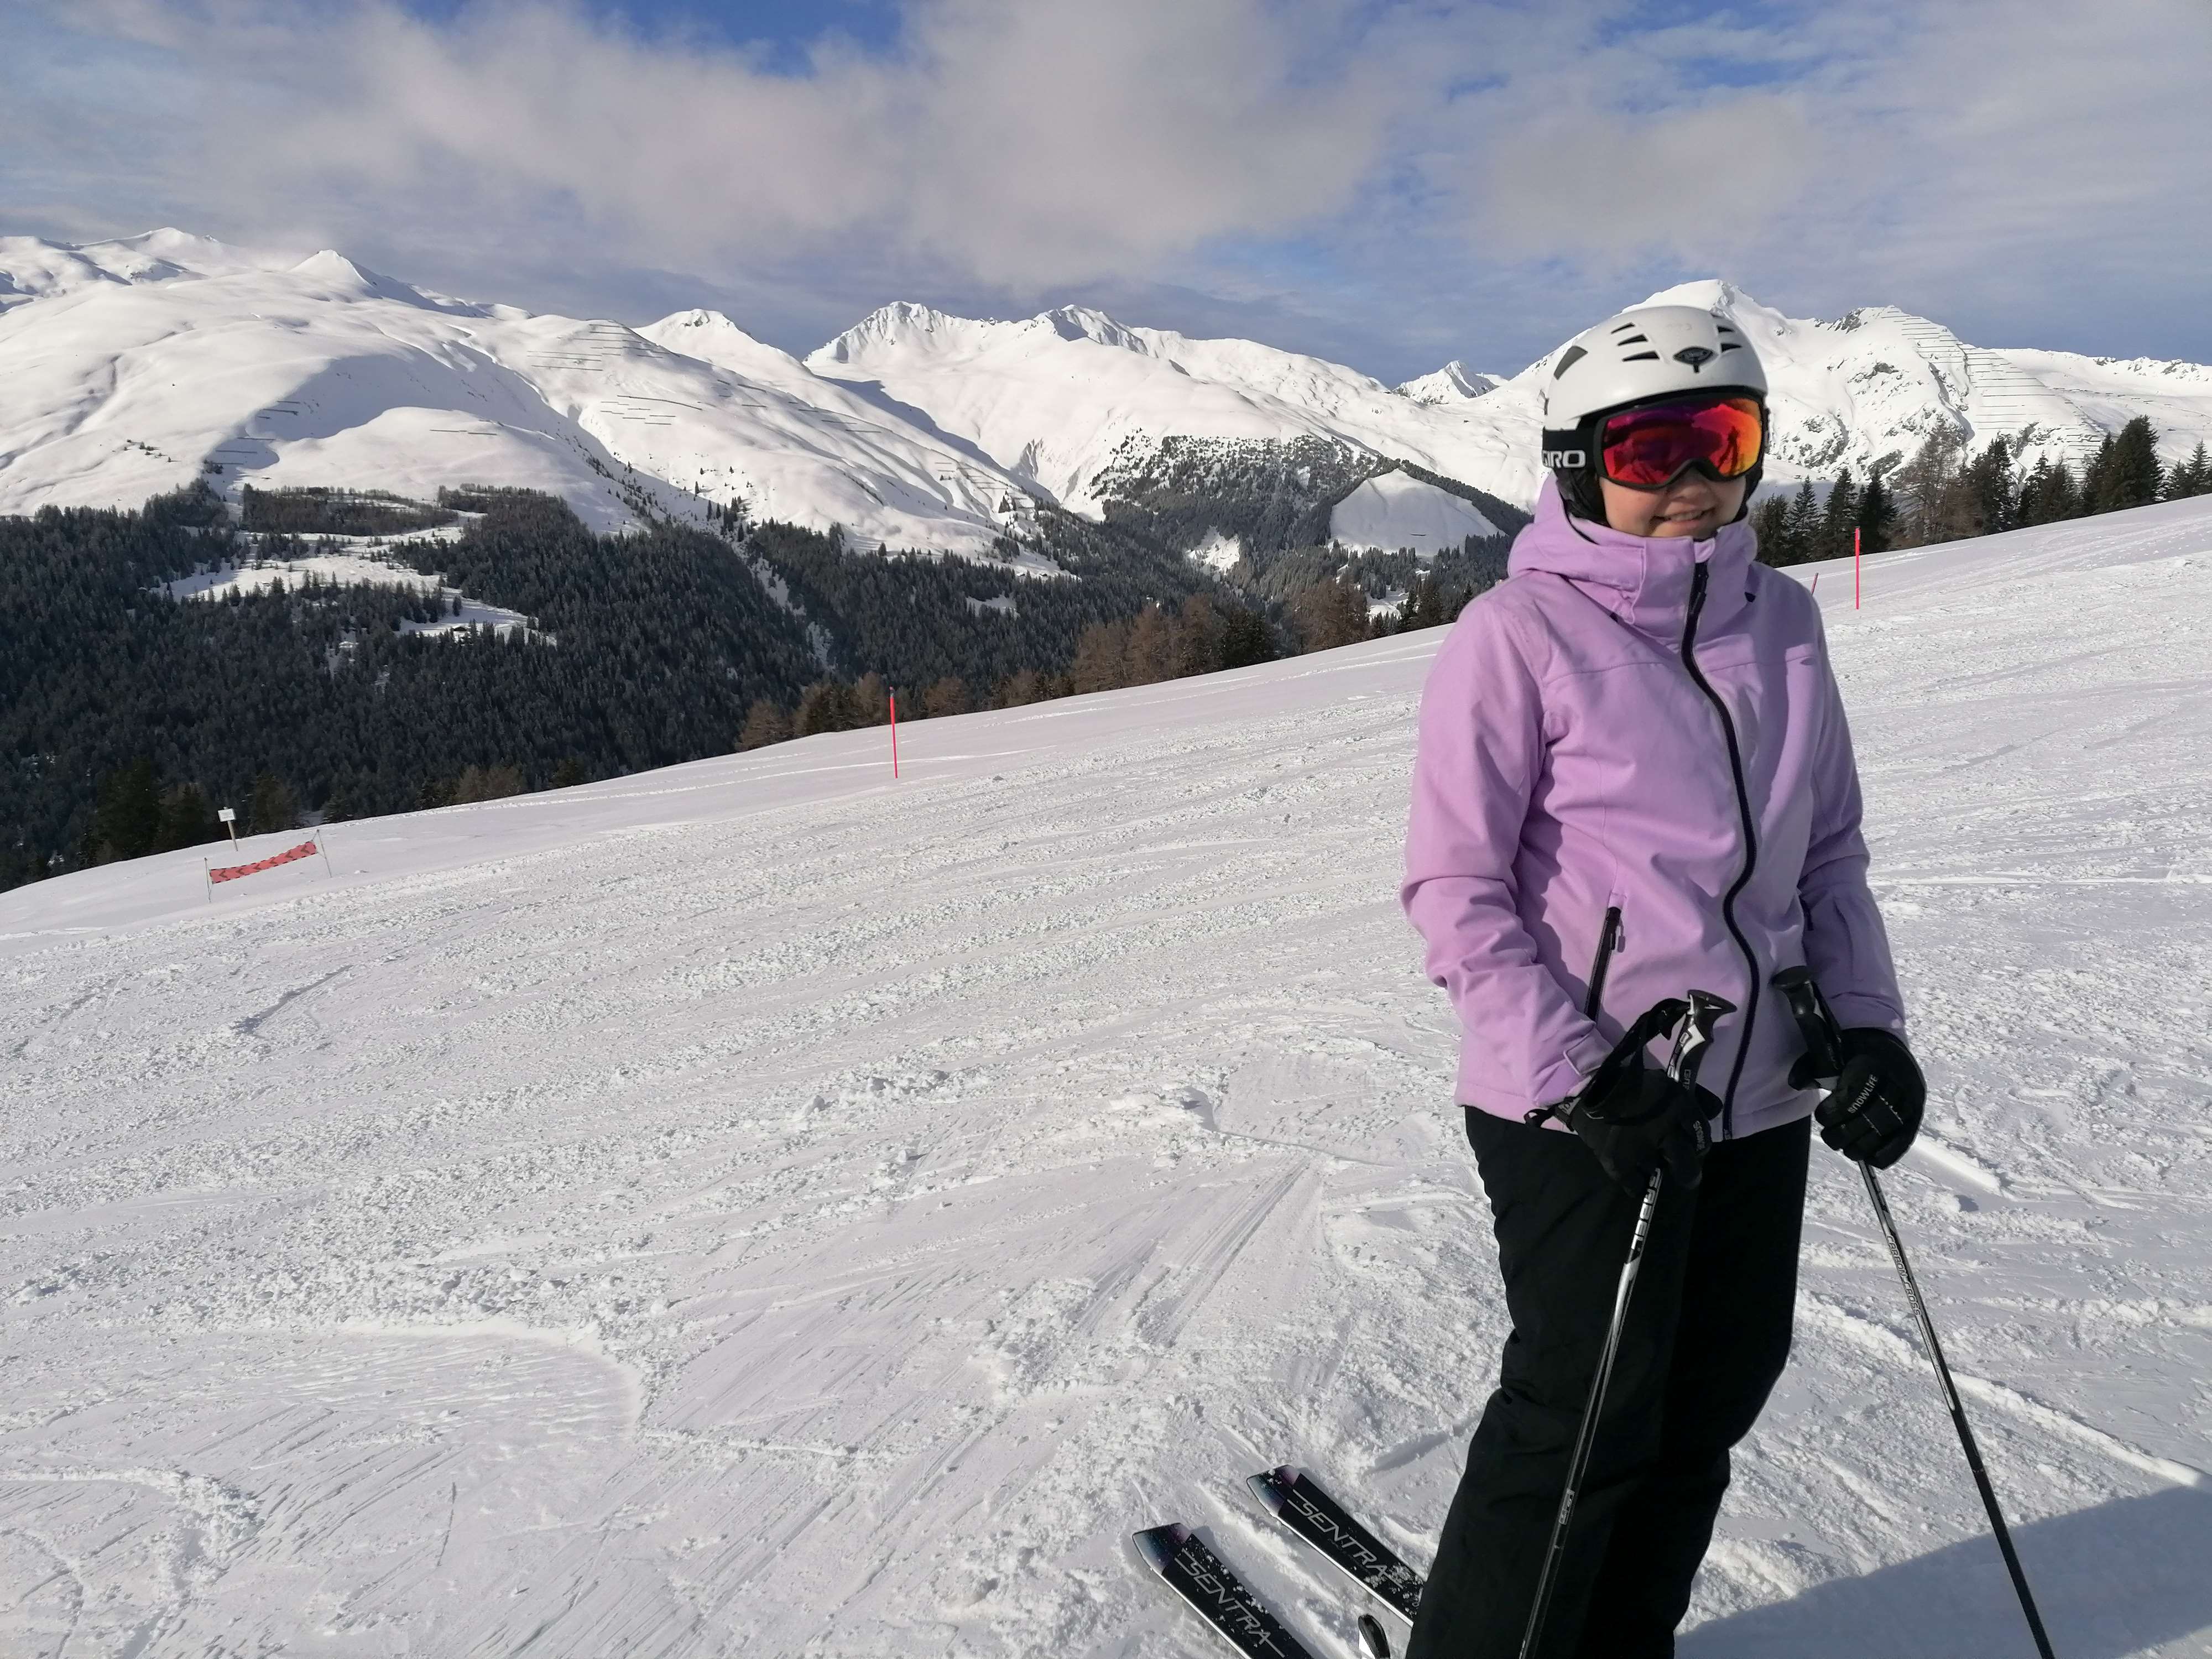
(1245, 640)
(1838, 517)
(1769, 523)
(18, 864)
(2062, 495)
(127, 821)
(487, 783)
(2133, 478)
(2034, 493)
(1993, 490)
(2096, 479)
(827, 705)
(1424, 606)
(1877, 516)
(274, 806)
(1803, 530)
(187, 820)
(2192, 478)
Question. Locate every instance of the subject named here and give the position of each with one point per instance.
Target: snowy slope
(1393, 510)
(755, 1208)
(355, 570)
(129, 366)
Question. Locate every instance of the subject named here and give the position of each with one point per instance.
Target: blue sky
(784, 30)
(1391, 183)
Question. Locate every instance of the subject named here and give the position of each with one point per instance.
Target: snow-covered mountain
(1454, 382)
(133, 366)
(1876, 381)
(1064, 397)
(1068, 396)
(30, 269)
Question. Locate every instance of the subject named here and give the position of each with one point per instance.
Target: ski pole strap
(1690, 1019)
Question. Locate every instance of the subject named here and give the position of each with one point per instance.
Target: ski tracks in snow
(752, 1209)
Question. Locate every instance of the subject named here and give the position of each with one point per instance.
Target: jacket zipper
(1608, 941)
(1750, 848)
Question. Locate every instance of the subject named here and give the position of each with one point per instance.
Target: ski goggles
(1647, 447)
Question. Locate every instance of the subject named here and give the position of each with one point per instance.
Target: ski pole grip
(1696, 1036)
(1816, 1023)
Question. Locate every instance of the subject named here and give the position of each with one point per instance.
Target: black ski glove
(1874, 1111)
(1635, 1118)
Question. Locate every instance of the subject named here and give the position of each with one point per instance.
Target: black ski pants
(1707, 1335)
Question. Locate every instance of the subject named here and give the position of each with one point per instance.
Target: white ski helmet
(1643, 355)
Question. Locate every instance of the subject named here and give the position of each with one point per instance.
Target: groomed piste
(760, 1208)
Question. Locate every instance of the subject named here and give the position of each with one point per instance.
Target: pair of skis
(1296, 1499)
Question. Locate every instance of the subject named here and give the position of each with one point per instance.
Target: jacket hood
(1644, 581)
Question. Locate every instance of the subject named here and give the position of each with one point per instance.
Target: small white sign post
(230, 816)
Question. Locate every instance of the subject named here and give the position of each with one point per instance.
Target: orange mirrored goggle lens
(1646, 448)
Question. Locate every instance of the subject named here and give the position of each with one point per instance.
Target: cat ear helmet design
(1696, 391)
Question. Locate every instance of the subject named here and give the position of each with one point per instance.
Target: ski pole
(1691, 1040)
(1823, 1041)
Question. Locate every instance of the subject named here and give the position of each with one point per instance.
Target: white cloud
(1932, 152)
(1028, 140)
(1433, 178)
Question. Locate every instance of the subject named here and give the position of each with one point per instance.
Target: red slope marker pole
(1816, 581)
(1855, 568)
(893, 695)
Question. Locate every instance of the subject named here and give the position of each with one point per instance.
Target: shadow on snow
(2124, 1576)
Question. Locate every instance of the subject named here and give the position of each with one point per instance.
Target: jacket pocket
(1608, 941)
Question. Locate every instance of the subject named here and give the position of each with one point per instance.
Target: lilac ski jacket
(1596, 823)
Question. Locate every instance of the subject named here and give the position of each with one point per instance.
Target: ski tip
(1158, 1544)
(1372, 1642)
(1267, 1487)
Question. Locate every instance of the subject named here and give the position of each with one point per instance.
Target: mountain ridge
(141, 362)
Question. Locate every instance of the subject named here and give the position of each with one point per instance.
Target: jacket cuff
(1567, 1074)
(1854, 1008)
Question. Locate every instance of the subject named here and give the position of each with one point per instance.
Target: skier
(1634, 778)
